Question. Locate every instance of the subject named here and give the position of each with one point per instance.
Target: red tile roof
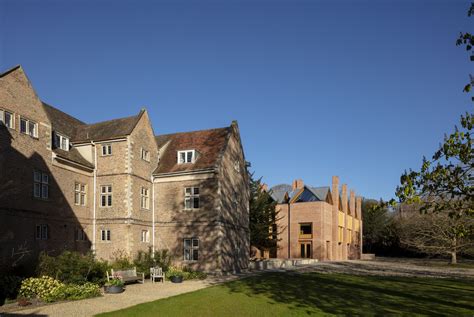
(209, 145)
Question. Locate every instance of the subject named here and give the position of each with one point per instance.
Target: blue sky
(359, 89)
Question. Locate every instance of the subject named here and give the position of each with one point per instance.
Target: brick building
(318, 222)
(114, 186)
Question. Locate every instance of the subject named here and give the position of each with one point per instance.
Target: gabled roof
(209, 145)
(62, 122)
(108, 129)
(280, 192)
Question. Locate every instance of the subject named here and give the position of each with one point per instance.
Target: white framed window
(105, 235)
(191, 198)
(106, 149)
(61, 142)
(80, 234)
(42, 232)
(106, 196)
(188, 156)
(28, 127)
(7, 118)
(145, 155)
(40, 185)
(80, 194)
(145, 236)
(145, 198)
(191, 249)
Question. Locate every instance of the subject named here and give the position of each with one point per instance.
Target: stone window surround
(80, 194)
(192, 196)
(108, 194)
(105, 235)
(106, 149)
(28, 125)
(42, 232)
(145, 198)
(191, 247)
(145, 236)
(40, 185)
(11, 124)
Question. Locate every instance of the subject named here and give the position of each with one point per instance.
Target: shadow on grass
(360, 295)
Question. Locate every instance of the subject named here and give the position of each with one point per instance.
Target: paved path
(133, 295)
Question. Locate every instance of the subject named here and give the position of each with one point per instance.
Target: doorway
(305, 250)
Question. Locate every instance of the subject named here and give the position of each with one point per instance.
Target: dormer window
(61, 142)
(188, 156)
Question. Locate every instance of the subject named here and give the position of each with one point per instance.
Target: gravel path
(388, 267)
(133, 295)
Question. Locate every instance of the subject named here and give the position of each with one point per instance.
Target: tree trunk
(454, 259)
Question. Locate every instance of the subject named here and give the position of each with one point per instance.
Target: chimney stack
(344, 198)
(335, 192)
(298, 184)
(352, 203)
(359, 207)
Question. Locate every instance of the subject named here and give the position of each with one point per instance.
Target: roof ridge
(195, 131)
(107, 121)
(8, 71)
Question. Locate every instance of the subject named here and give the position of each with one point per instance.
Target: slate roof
(278, 192)
(79, 131)
(62, 122)
(108, 129)
(208, 143)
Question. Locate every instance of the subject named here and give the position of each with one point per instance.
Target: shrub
(50, 290)
(121, 260)
(186, 273)
(10, 286)
(145, 260)
(45, 288)
(73, 268)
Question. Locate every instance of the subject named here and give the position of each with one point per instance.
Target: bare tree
(437, 233)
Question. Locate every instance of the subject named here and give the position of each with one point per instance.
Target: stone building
(318, 222)
(114, 186)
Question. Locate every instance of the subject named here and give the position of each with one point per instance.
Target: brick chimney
(344, 198)
(298, 184)
(335, 192)
(352, 203)
(359, 207)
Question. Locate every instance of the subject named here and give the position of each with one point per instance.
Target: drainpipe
(94, 201)
(153, 215)
(289, 214)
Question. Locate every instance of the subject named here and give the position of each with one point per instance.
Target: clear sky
(359, 89)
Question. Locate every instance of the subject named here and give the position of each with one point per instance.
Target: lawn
(294, 294)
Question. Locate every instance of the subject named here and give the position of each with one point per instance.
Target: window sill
(192, 209)
(191, 261)
(41, 199)
(145, 209)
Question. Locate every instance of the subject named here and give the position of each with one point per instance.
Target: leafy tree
(379, 229)
(436, 233)
(263, 217)
(445, 182)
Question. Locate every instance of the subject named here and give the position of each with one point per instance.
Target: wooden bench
(127, 276)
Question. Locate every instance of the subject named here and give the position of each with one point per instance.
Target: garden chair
(157, 272)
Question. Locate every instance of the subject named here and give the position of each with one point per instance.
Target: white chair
(156, 272)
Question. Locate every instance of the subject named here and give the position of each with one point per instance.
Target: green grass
(293, 294)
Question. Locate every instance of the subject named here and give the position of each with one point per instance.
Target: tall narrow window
(28, 127)
(105, 235)
(79, 194)
(145, 198)
(23, 126)
(341, 234)
(80, 234)
(191, 198)
(2, 116)
(42, 232)
(9, 120)
(145, 155)
(191, 249)
(188, 156)
(106, 196)
(145, 236)
(40, 185)
(106, 149)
